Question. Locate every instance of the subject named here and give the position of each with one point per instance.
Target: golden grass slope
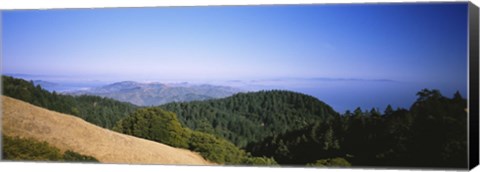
(67, 132)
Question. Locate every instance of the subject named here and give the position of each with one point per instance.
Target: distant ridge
(152, 94)
(67, 132)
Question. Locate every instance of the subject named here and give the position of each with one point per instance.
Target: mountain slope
(250, 117)
(148, 94)
(67, 132)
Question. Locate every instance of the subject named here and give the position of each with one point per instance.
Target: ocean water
(345, 95)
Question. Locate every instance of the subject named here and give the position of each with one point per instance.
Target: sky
(345, 46)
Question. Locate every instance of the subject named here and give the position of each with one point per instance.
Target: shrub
(331, 162)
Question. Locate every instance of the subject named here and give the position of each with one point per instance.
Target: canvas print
(318, 85)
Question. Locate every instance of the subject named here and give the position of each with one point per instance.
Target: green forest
(432, 133)
(281, 127)
(251, 117)
(162, 126)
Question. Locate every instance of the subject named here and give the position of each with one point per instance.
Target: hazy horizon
(347, 55)
(353, 93)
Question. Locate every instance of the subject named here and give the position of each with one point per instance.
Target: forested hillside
(103, 112)
(250, 117)
(432, 133)
(284, 127)
(162, 126)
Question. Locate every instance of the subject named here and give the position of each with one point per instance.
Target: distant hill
(50, 86)
(67, 132)
(152, 94)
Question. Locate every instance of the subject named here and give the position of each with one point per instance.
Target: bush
(73, 156)
(332, 162)
(155, 124)
(23, 149)
(256, 161)
(15, 148)
(215, 149)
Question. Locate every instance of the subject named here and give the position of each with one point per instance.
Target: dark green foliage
(250, 117)
(439, 130)
(432, 133)
(215, 149)
(299, 147)
(260, 161)
(333, 162)
(73, 156)
(388, 110)
(21, 149)
(155, 124)
(15, 148)
(222, 151)
(100, 111)
(163, 126)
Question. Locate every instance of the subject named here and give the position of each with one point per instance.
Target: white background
(74, 167)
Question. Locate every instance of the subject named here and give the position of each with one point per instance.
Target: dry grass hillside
(69, 132)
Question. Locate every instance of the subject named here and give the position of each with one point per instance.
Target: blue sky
(422, 44)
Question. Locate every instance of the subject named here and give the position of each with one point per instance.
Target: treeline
(100, 111)
(432, 133)
(162, 126)
(23, 149)
(250, 117)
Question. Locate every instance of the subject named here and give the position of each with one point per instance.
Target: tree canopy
(250, 117)
(432, 133)
(163, 126)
